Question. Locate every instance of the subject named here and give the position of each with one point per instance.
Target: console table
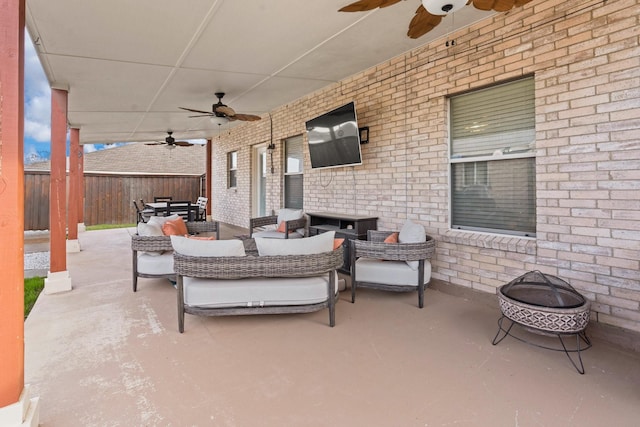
(347, 227)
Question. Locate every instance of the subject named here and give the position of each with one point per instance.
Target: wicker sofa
(153, 255)
(255, 284)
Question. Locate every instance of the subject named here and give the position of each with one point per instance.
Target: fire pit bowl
(547, 305)
(544, 303)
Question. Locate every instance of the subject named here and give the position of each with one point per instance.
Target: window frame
(232, 169)
(481, 165)
(286, 173)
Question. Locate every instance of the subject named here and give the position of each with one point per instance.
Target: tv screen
(334, 139)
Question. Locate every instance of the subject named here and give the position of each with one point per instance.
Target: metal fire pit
(547, 305)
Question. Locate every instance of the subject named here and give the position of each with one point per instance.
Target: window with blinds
(232, 162)
(493, 159)
(293, 172)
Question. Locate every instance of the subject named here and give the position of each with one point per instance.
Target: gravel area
(36, 264)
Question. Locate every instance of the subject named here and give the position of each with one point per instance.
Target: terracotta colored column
(12, 201)
(75, 192)
(58, 278)
(209, 178)
(17, 408)
(81, 226)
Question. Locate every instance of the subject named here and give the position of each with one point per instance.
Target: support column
(209, 178)
(16, 407)
(81, 226)
(75, 192)
(58, 279)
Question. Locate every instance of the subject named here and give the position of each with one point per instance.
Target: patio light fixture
(270, 149)
(443, 7)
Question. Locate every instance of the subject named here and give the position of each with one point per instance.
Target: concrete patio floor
(102, 355)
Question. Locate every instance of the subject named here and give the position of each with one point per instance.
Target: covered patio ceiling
(129, 66)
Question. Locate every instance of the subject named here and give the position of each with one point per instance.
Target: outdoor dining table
(159, 208)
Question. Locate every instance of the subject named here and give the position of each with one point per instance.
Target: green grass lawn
(32, 288)
(108, 226)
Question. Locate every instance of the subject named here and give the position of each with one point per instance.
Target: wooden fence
(107, 196)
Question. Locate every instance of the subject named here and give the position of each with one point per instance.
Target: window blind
(294, 178)
(492, 159)
(501, 119)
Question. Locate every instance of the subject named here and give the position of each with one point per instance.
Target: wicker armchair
(291, 226)
(158, 244)
(383, 266)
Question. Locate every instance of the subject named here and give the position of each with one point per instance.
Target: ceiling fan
(171, 142)
(430, 12)
(221, 110)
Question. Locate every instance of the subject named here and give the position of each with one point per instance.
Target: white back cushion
(289, 214)
(205, 248)
(307, 246)
(149, 229)
(159, 220)
(412, 233)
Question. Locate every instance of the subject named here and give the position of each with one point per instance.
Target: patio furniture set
(279, 270)
(261, 275)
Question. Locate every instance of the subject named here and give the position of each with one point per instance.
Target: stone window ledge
(521, 245)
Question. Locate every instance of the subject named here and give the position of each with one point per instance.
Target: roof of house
(141, 158)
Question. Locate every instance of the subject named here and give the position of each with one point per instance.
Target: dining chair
(142, 214)
(184, 208)
(202, 208)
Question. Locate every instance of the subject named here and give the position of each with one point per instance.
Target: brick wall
(585, 58)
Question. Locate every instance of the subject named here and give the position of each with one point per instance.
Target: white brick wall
(585, 57)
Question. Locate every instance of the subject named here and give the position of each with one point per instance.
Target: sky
(37, 110)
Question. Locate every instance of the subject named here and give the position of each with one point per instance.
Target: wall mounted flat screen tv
(334, 139)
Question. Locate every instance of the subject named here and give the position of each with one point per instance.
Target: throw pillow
(305, 246)
(412, 233)
(337, 243)
(207, 248)
(282, 227)
(392, 238)
(175, 227)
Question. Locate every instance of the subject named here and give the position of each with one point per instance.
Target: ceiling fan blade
(498, 5)
(203, 115)
(195, 111)
(247, 117)
(227, 111)
(183, 143)
(422, 23)
(154, 143)
(364, 5)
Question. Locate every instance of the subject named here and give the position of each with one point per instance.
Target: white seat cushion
(155, 264)
(273, 234)
(389, 272)
(256, 292)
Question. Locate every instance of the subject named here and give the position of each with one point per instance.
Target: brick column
(16, 408)
(75, 191)
(209, 179)
(58, 279)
